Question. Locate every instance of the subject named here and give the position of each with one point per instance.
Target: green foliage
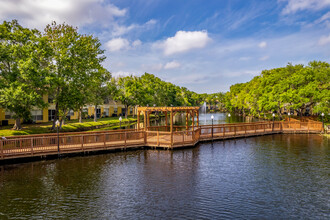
(77, 77)
(23, 69)
(293, 87)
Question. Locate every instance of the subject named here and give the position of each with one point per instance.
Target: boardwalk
(157, 137)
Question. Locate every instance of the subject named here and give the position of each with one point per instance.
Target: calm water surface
(268, 177)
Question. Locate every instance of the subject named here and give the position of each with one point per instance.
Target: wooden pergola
(192, 111)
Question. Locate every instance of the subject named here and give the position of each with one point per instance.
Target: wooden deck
(157, 137)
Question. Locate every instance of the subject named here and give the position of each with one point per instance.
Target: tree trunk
(95, 117)
(80, 115)
(55, 116)
(17, 125)
(134, 111)
(62, 122)
(126, 111)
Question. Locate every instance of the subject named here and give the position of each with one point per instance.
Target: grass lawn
(70, 126)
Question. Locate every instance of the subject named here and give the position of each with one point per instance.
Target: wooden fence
(41, 145)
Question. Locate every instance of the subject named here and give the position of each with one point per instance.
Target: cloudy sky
(205, 46)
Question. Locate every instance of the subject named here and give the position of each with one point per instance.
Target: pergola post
(166, 120)
(197, 118)
(187, 112)
(138, 120)
(145, 120)
(148, 118)
(171, 127)
(193, 119)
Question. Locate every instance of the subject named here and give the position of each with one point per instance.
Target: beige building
(110, 108)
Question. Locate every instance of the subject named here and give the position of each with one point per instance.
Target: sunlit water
(267, 177)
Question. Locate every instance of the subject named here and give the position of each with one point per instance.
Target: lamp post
(229, 117)
(120, 121)
(212, 117)
(57, 123)
(322, 114)
(273, 121)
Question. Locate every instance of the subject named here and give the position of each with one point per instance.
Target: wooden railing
(27, 146)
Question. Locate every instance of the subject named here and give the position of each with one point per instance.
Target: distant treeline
(296, 88)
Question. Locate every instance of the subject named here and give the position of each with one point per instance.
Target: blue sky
(205, 46)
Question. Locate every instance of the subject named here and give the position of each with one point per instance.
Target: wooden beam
(174, 109)
(187, 112)
(171, 127)
(193, 120)
(197, 118)
(166, 120)
(138, 120)
(145, 120)
(149, 118)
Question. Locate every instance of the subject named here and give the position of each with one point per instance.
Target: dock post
(125, 139)
(223, 131)
(104, 142)
(82, 142)
(1, 146)
(31, 146)
(158, 137)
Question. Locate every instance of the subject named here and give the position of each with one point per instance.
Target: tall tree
(76, 61)
(23, 70)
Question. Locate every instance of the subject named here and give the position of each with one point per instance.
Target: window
(115, 110)
(50, 99)
(85, 110)
(37, 115)
(51, 114)
(98, 112)
(8, 115)
(106, 111)
(71, 113)
(131, 111)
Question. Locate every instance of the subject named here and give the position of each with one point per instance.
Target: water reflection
(271, 177)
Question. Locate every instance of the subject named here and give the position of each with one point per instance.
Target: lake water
(266, 177)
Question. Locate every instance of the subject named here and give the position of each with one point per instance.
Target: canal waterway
(267, 177)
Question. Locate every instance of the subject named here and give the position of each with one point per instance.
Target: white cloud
(244, 58)
(39, 13)
(120, 30)
(324, 40)
(121, 74)
(184, 41)
(172, 65)
(136, 43)
(264, 58)
(241, 73)
(262, 44)
(190, 79)
(300, 5)
(149, 68)
(117, 44)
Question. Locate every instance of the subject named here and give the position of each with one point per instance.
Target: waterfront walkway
(154, 137)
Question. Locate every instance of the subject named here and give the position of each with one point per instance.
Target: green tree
(76, 61)
(23, 70)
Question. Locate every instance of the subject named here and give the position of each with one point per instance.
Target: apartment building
(110, 108)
